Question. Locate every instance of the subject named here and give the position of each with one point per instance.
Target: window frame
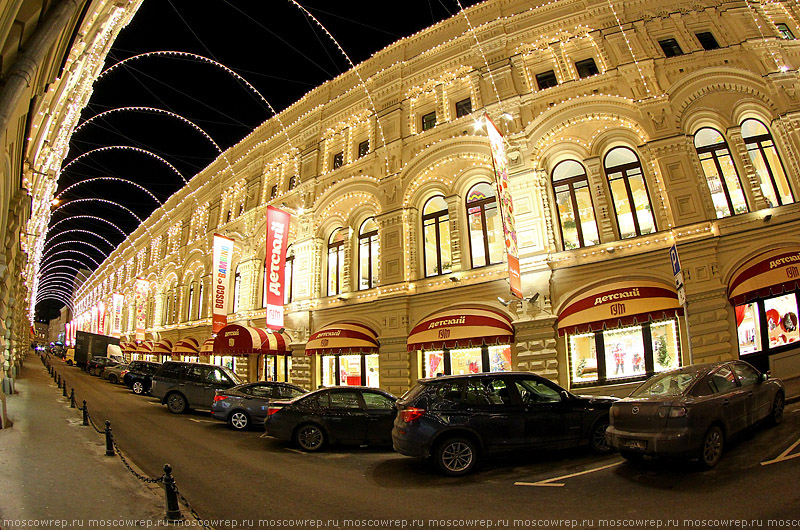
(539, 78)
(588, 66)
(335, 248)
(428, 121)
(338, 160)
(436, 220)
(759, 147)
(670, 47)
(703, 38)
(460, 107)
(715, 152)
(625, 171)
(370, 238)
(481, 204)
(570, 183)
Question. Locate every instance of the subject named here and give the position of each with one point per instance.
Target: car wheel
(711, 450)
(456, 456)
(69, 363)
(176, 403)
(113, 378)
(631, 456)
(239, 420)
(776, 414)
(137, 387)
(310, 437)
(597, 440)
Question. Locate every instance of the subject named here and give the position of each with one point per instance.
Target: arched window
(368, 254)
(436, 237)
(273, 191)
(723, 181)
(629, 193)
(574, 205)
(767, 162)
(335, 261)
(486, 240)
(237, 290)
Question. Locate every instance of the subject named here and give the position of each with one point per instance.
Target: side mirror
(764, 377)
(565, 396)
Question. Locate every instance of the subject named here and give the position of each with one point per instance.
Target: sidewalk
(54, 472)
(792, 389)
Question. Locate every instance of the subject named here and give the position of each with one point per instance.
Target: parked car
(140, 375)
(184, 385)
(693, 411)
(96, 365)
(339, 415)
(114, 373)
(459, 419)
(245, 405)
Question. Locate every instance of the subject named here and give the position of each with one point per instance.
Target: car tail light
(411, 414)
(272, 410)
(219, 398)
(123, 373)
(672, 412)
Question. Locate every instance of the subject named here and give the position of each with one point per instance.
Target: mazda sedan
(693, 411)
(245, 405)
(341, 415)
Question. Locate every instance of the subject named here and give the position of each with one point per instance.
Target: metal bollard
(64, 391)
(72, 398)
(174, 514)
(85, 413)
(58, 380)
(109, 440)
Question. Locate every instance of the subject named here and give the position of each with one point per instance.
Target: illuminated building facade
(630, 129)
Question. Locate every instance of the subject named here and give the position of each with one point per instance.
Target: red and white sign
(101, 317)
(500, 162)
(223, 253)
(140, 301)
(277, 234)
(116, 314)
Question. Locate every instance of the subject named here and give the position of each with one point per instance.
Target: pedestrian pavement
(54, 470)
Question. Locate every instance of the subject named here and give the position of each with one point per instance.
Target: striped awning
(461, 327)
(163, 347)
(769, 273)
(207, 348)
(146, 346)
(187, 346)
(616, 305)
(234, 339)
(343, 337)
(127, 346)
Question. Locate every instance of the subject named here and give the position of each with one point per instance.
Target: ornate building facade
(631, 129)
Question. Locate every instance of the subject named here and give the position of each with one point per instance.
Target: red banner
(277, 234)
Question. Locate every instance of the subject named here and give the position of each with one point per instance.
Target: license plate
(640, 445)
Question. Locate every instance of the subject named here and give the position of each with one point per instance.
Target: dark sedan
(692, 411)
(247, 404)
(341, 415)
(457, 419)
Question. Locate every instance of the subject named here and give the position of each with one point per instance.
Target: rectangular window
(785, 32)
(466, 361)
(670, 47)
(546, 80)
(748, 328)
(707, 40)
(338, 160)
(463, 108)
(429, 121)
(363, 148)
(586, 68)
(780, 314)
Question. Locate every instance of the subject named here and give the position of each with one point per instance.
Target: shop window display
(347, 370)
(781, 320)
(748, 328)
(466, 361)
(500, 358)
(584, 357)
(665, 345)
(624, 352)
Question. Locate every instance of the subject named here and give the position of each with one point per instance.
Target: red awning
(187, 346)
(616, 305)
(461, 327)
(770, 273)
(234, 339)
(343, 337)
(146, 346)
(163, 347)
(207, 348)
(127, 346)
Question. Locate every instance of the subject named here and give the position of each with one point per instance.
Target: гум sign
(277, 234)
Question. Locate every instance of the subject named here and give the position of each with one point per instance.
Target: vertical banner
(140, 301)
(223, 252)
(277, 233)
(500, 163)
(116, 314)
(101, 317)
(66, 334)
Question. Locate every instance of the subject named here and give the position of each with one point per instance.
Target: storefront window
(500, 358)
(328, 370)
(748, 328)
(465, 361)
(628, 352)
(346, 370)
(781, 320)
(226, 360)
(373, 371)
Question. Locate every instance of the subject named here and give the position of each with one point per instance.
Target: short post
(174, 514)
(72, 398)
(85, 413)
(64, 389)
(58, 380)
(109, 440)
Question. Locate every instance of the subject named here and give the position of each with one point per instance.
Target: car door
(381, 412)
(192, 385)
(215, 379)
(256, 399)
(549, 420)
(493, 412)
(343, 416)
(758, 399)
(730, 398)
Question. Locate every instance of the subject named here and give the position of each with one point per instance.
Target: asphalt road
(243, 479)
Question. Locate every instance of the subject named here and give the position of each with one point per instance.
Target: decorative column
(453, 205)
(395, 368)
(597, 181)
(751, 181)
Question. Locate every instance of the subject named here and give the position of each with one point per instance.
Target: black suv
(181, 385)
(140, 375)
(457, 419)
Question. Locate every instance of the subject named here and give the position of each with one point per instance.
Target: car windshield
(235, 378)
(669, 384)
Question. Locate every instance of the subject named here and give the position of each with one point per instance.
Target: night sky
(271, 44)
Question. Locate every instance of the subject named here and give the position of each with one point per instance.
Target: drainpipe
(23, 72)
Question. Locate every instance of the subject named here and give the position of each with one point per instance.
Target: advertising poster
(500, 163)
(277, 233)
(140, 302)
(101, 317)
(93, 320)
(116, 315)
(220, 281)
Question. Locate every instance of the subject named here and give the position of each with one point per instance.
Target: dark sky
(272, 44)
